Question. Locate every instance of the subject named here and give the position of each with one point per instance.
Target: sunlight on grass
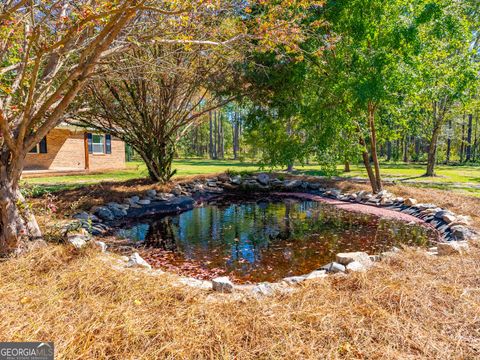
(447, 175)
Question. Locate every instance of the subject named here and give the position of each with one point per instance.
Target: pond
(264, 240)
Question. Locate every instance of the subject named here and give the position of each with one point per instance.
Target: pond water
(254, 241)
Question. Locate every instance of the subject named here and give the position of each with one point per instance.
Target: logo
(26, 351)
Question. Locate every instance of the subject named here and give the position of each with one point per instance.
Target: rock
(399, 200)
(222, 284)
(164, 196)
(151, 193)
(460, 232)
(317, 274)
(374, 258)
(101, 245)
(175, 205)
(449, 218)
(314, 186)
(119, 212)
(78, 240)
(333, 267)
(292, 184)
(85, 216)
(224, 177)
(386, 202)
(177, 190)
(462, 220)
(264, 289)
(104, 213)
(199, 284)
(452, 248)
(360, 257)
(410, 202)
(237, 180)
(355, 266)
(441, 213)
(263, 179)
(199, 188)
(276, 183)
(136, 260)
(294, 279)
(144, 202)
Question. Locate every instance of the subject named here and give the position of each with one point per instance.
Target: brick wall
(115, 160)
(66, 150)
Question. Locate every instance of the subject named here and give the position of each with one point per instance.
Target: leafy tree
(48, 51)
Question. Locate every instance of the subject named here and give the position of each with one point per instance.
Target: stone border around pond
(454, 229)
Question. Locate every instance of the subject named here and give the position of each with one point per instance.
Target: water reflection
(266, 241)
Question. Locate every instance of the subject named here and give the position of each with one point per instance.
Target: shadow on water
(254, 241)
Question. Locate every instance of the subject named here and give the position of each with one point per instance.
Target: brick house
(70, 148)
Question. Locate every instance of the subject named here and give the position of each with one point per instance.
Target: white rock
(263, 289)
(449, 218)
(222, 284)
(294, 279)
(360, 257)
(136, 260)
(452, 247)
(237, 180)
(410, 202)
(77, 240)
(317, 274)
(333, 267)
(101, 245)
(144, 202)
(355, 266)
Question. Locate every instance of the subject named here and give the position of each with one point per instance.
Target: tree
(160, 92)
(48, 51)
(445, 65)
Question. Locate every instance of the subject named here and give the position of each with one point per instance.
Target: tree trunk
(17, 223)
(373, 145)
(389, 150)
(210, 146)
(405, 149)
(432, 150)
(158, 158)
(290, 167)
(346, 166)
(449, 143)
(468, 148)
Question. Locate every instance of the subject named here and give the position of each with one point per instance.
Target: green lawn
(459, 178)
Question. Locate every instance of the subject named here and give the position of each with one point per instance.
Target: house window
(99, 143)
(40, 148)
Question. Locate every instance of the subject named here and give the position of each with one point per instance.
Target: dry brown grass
(411, 306)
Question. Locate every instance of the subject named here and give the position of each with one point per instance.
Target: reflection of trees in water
(162, 235)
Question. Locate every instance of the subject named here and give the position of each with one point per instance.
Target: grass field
(458, 178)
